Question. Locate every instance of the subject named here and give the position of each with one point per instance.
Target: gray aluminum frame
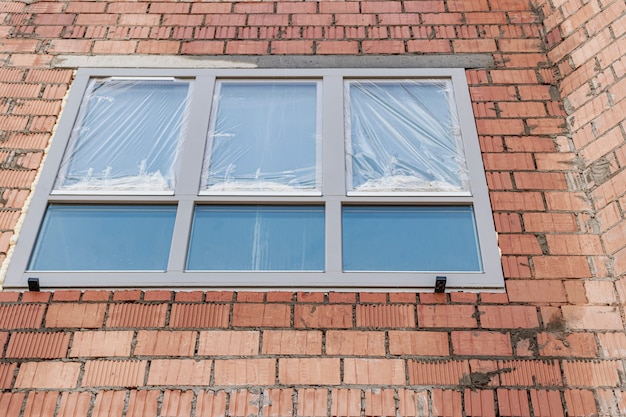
(334, 195)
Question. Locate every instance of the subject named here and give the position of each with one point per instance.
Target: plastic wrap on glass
(264, 137)
(403, 136)
(127, 137)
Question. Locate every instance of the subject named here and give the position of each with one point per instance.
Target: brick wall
(550, 115)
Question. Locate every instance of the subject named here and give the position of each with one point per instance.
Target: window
(235, 178)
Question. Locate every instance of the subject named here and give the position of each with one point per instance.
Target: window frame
(187, 192)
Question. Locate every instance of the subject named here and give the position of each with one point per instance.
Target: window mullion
(333, 165)
(333, 142)
(180, 237)
(188, 182)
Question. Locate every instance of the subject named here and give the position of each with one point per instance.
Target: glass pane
(410, 239)
(257, 238)
(263, 138)
(127, 137)
(403, 136)
(90, 238)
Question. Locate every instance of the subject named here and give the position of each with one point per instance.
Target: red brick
(202, 48)
(21, 316)
(312, 402)
(612, 345)
(582, 345)
(412, 403)
(109, 404)
(345, 403)
(446, 316)
(292, 342)
(297, 47)
(250, 297)
(101, 343)
(418, 343)
(165, 343)
(433, 298)
(592, 317)
(481, 343)
(446, 403)
(244, 402)
(9, 296)
(127, 295)
(463, 297)
(323, 316)
(137, 315)
(179, 372)
(383, 46)
(546, 403)
(43, 345)
(277, 402)
(261, 315)
(310, 297)
(36, 297)
(580, 403)
(402, 297)
(381, 316)
(189, 296)
(428, 46)
(530, 373)
(101, 373)
(245, 372)
(372, 297)
(75, 315)
(562, 267)
(199, 315)
(74, 404)
(96, 295)
(373, 371)
(508, 317)
(479, 403)
(19, 45)
(336, 47)
(519, 244)
(67, 295)
(143, 403)
(342, 297)
(592, 374)
(228, 342)
(380, 402)
(247, 47)
(314, 371)
(513, 403)
(209, 404)
(348, 342)
(41, 404)
(536, 291)
(12, 403)
(48, 375)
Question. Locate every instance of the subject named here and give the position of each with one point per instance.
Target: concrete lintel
(275, 61)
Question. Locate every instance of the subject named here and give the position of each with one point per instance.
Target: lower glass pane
(91, 238)
(423, 239)
(254, 238)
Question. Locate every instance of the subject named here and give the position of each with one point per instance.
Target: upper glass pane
(254, 238)
(418, 239)
(127, 137)
(104, 238)
(263, 138)
(403, 136)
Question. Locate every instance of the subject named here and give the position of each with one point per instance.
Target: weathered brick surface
(550, 119)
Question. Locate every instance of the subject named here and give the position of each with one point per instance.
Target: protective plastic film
(263, 138)
(127, 137)
(403, 136)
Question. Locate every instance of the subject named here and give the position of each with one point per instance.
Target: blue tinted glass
(77, 237)
(257, 238)
(410, 239)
